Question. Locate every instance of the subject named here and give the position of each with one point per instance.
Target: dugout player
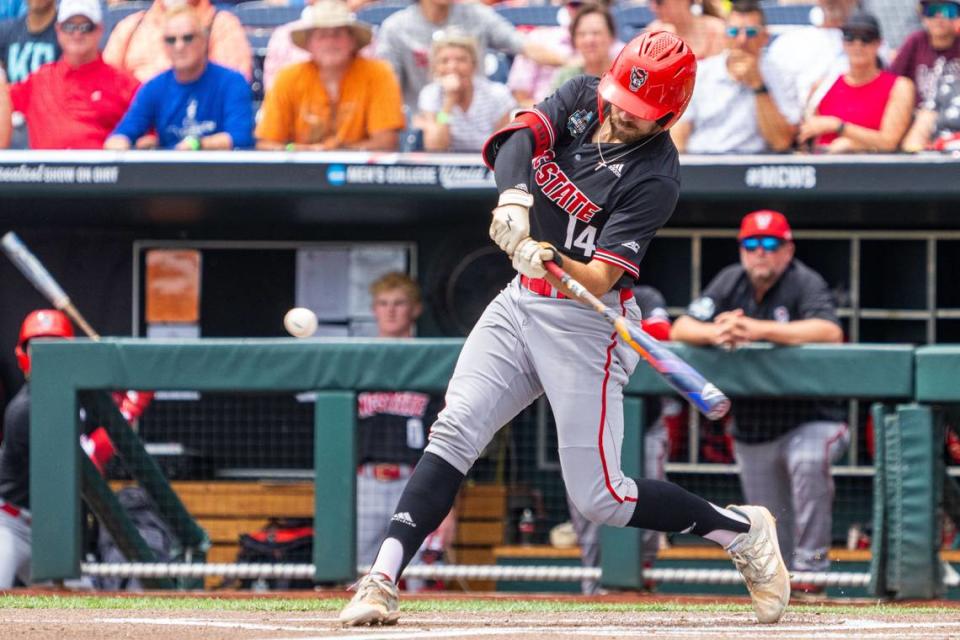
(595, 163)
(15, 524)
(784, 447)
(392, 431)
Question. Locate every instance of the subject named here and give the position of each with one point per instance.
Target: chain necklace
(605, 163)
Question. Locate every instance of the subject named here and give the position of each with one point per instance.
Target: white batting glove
(511, 220)
(529, 256)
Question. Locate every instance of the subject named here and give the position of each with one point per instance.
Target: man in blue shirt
(196, 104)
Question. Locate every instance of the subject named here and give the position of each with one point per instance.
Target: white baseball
(300, 322)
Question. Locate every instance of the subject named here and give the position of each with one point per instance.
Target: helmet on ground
(42, 323)
(652, 78)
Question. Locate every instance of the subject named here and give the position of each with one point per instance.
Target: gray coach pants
(791, 477)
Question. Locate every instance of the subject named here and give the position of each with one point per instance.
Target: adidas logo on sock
(404, 518)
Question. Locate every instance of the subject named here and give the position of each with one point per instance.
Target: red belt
(541, 287)
(16, 512)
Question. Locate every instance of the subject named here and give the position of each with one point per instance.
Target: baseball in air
(300, 322)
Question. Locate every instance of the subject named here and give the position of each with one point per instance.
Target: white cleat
(756, 554)
(376, 602)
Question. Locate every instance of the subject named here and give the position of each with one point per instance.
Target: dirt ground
(829, 622)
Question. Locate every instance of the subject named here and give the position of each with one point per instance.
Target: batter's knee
(596, 506)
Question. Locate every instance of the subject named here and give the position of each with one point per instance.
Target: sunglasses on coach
(769, 243)
(947, 9)
(750, 32)
(77, 27)
(186, 38)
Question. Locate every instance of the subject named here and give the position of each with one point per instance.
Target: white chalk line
(637, 629)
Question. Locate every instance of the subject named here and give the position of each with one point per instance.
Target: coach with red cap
(784, 446)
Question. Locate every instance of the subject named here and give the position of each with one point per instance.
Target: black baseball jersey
(591, 210)
(393, 425)
(15, 451)
(799, 294)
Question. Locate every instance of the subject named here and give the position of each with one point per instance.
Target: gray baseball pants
(791, 477)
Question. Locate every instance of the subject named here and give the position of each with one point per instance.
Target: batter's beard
(628, 133)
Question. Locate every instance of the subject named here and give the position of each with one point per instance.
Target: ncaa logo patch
(638, 78)
(579, 121)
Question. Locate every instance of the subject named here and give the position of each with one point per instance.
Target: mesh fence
(242, 465)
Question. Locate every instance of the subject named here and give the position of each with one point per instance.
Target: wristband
(843, 125)
(443, 117)
(193, 142)
(515, 196)
(762, 89)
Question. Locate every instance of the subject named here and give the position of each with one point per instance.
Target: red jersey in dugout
(608, 208)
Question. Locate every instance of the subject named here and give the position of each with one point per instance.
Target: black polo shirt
(799, 294)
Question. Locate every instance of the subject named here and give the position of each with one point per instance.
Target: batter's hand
(511, 220)
(529, 257)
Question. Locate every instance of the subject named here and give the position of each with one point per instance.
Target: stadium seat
(788, 14)
(631, 20)
(376, 12)
(536, 16)
(115, 13)
(263, 15)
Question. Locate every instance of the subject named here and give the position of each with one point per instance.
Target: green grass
(271, 604)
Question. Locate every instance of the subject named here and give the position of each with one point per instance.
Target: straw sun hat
(329, 14)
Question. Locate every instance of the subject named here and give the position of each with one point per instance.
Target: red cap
(765, 223)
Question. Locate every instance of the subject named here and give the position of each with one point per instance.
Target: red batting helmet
(652, 78)
(42, 323)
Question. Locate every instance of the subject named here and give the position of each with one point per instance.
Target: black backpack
(153, 530)
(282, 541)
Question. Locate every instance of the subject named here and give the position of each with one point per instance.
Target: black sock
(424, 503)
(664, 506)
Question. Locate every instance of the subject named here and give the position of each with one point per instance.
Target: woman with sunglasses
(697, 22)
(865, 108)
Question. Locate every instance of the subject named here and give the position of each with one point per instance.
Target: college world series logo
(638, 78)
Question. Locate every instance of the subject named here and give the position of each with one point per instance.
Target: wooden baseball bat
(681, 376)
(34, 271)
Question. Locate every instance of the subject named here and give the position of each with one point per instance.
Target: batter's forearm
(512, 166)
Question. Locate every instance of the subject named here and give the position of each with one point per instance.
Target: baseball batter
(586, 179)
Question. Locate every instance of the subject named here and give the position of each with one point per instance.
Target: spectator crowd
(181, 74)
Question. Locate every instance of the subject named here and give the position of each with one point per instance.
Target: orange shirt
(298, 109)
(136, 43)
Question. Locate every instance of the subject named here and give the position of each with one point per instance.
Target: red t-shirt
(73, 108)
(863, 105)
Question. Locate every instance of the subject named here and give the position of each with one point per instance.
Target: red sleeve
(20, 94)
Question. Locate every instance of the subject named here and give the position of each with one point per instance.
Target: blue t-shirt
(218, 101)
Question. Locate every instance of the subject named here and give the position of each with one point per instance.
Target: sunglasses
(947, 9)
(77, 27)
(186, 38)
(769, 243)
(865, 38)
(750, 32)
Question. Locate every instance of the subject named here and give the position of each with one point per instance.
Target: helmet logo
(763, 220)
(638, 78)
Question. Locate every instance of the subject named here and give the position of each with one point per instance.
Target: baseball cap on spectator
(765, 223)
(863, 24)
(329, 14)
(86, 8)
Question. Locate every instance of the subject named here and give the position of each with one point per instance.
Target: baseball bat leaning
(681, 376)
(34, 271)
